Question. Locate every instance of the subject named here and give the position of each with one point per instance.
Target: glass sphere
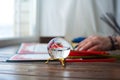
(58, 48)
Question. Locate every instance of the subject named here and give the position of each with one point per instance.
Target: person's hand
(96, 43)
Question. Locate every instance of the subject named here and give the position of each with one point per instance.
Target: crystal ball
(58, 48)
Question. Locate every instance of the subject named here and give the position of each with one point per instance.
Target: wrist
(114, 43)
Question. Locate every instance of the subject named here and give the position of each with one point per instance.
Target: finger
(81, 44)
(94, 48)
(87, 46)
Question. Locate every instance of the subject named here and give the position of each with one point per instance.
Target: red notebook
(87, 53)
(89, 56)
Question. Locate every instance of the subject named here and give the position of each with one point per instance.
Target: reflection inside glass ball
(58, 48)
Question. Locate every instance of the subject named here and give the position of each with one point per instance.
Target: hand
(96, 43)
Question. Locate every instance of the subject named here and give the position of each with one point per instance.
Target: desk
(54, 71)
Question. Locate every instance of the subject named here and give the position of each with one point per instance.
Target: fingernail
(80, 49)
(75, 48)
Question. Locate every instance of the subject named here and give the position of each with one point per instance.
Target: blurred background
(29, 20)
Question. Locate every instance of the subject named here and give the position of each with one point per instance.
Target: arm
(99, 43)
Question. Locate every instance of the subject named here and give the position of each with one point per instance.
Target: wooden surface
(54, 71)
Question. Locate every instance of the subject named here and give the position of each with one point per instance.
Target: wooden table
(54, 71)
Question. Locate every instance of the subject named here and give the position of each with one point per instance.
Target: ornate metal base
(62, 61)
